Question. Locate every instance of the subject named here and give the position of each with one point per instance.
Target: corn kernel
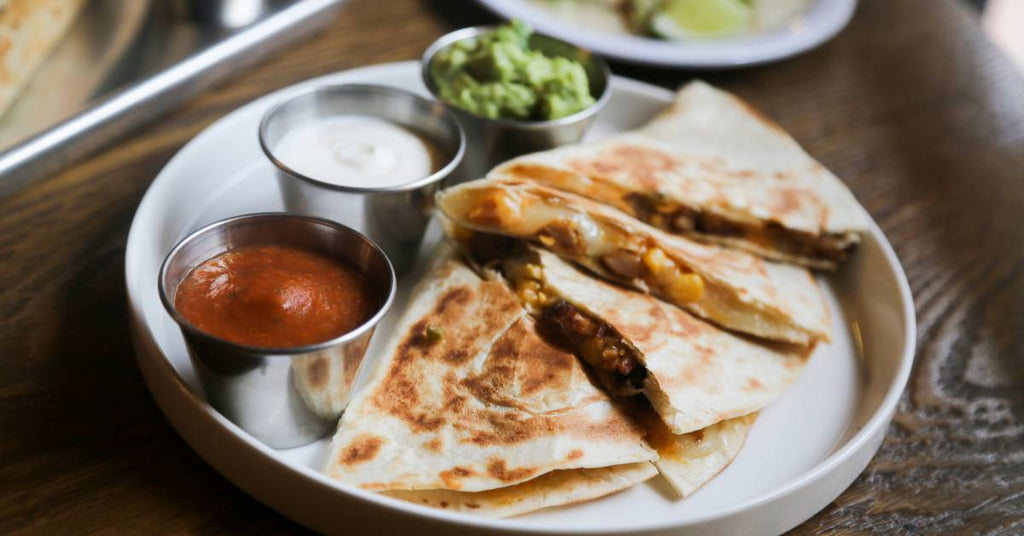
(528, 295)
(655, 260)
(687, 288)
(529, 284)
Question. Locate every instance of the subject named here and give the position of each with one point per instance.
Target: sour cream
(356, 150)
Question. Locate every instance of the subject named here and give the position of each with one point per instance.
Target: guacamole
(499, 77)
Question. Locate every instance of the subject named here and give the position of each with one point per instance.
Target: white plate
(820, 22)
(802, 452)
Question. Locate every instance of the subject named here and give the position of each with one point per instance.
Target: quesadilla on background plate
(693, 374)
(712, 167)
(468, 397)
(29, 30)
(734, 289)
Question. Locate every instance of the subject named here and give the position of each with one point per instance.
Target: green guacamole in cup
(498, 76)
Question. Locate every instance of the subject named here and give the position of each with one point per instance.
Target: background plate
(802, 452)
(822, 20)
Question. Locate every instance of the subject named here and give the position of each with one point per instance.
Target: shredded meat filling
(655, 210)
(486, 248)
(615, 362)
(598, 344)
(718, 226)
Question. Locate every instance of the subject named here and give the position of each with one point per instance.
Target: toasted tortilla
(557, 488)
(741, 180)
(688, 461)
(468, 397)
(697, 374)
(29, 29)
(742, 292)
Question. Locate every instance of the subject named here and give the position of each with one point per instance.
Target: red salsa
(275, 296)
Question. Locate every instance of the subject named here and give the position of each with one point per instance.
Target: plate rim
(141, 330)
(730, 55)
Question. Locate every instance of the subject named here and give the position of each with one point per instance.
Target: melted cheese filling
(576, 235)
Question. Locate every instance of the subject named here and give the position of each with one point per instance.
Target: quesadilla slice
(693, 374)
(688, 461)
(29, 30)
(712, 167)
(734, 289)
(557, 488)
(468, 397)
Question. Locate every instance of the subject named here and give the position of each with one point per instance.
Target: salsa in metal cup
(275, 297)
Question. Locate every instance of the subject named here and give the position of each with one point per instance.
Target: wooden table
(910, 105)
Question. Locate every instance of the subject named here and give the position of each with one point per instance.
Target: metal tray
(127, 61)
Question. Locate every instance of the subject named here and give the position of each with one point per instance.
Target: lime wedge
(704, 18)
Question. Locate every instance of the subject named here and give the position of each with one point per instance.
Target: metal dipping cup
(285, 397)
(493, 141)
(394, 217)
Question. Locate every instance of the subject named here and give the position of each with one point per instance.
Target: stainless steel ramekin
(394, 217)
(493, 141)
(285, 397)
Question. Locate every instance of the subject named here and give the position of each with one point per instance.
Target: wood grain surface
(910, 105)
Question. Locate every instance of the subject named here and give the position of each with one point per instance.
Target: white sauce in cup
(360, 151)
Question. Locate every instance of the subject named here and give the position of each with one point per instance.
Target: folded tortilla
(468, 397)
(693, 374)
(29, 30)
(688, 461)
(557, 488)
(712, 167)
(732, 288)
